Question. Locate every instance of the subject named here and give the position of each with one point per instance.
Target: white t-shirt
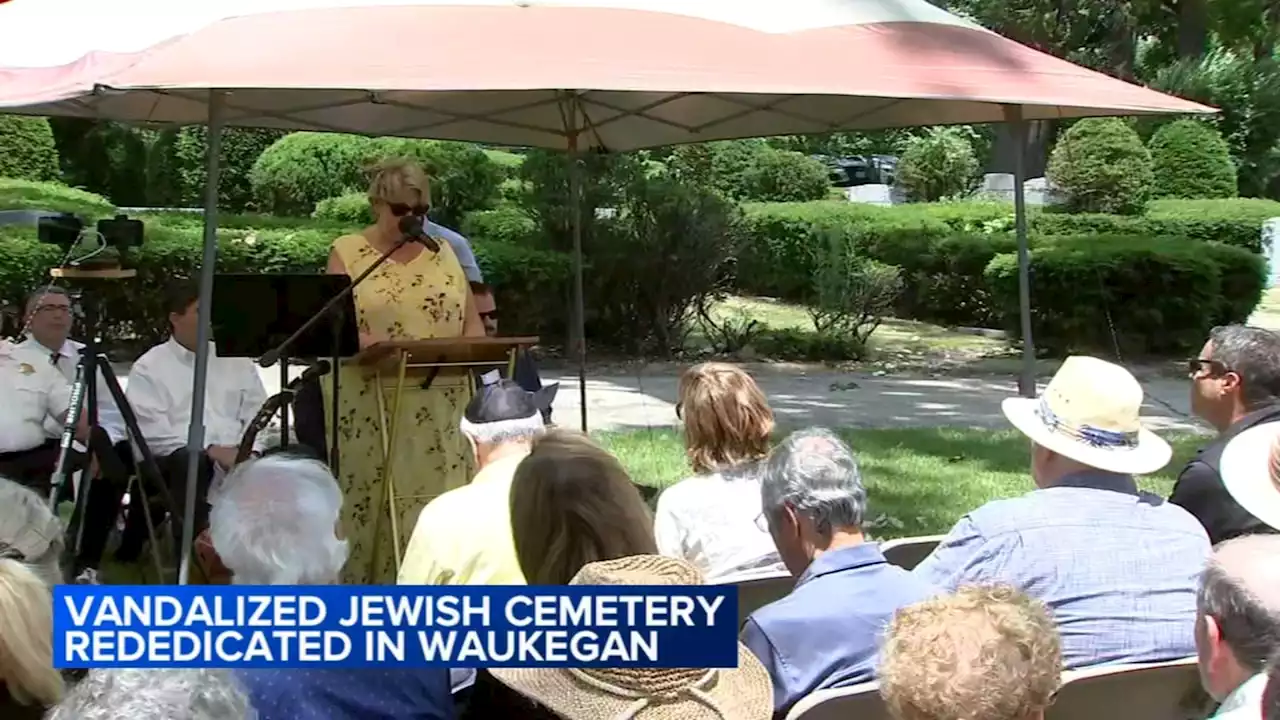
(714, 521)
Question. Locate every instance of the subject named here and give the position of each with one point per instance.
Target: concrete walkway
(808, 396)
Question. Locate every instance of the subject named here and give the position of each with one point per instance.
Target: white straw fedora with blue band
(1089, 412)
(1248, 472)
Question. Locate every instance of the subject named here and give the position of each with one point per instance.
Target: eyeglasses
(54, 309)
(402, 209)
(762, 522)
(1211, 368)
(680, 411)
(489, 315)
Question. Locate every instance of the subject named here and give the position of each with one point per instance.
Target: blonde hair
(399, 181)
(572, 503)
(727, 419)
(983, 653)
(26, 643)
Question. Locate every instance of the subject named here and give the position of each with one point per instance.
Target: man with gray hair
(463, 537)
(123, 694)
(273, 521)
(1235, 385)
(826, 632)
(1238, 623)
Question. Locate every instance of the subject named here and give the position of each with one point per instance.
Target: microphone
(413, 229)
(318, 369)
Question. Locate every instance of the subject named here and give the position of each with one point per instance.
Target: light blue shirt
(827, 632)
(461, 248)
(1118, 568)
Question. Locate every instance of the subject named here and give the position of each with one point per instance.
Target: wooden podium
(414, 365)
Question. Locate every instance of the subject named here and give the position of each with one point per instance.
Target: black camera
(65, 231)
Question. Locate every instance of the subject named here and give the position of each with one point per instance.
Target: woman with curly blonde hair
(982, 653)
(713, 519)
(30, 542)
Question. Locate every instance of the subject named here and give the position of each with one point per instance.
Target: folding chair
(908, 552)
(856, 702)
(1157, 691)
(754, 592)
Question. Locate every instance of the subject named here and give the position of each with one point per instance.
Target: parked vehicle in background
(854, 170)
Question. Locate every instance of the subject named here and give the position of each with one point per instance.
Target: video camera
(66, 230)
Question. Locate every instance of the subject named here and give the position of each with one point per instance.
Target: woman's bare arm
(472, 325)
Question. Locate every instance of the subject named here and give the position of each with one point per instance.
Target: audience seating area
(908, 552)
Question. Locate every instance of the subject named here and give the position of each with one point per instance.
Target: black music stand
(254, 313)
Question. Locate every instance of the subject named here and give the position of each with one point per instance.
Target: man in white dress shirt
(48, 322)
(160, 393)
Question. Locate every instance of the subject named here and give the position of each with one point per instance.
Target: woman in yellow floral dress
(417, 294)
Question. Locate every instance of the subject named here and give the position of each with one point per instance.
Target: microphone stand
(277, 353)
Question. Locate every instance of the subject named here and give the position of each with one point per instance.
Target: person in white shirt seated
(160, 392)
(1238, 623)
(31, 394)
(49, 313)
(714, 519)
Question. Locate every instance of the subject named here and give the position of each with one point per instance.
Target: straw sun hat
(741, 693)
(1089, 413)
(1251, 471)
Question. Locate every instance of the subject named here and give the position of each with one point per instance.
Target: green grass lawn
(919, 481)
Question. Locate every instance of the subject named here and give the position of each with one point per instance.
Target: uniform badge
(26, 369)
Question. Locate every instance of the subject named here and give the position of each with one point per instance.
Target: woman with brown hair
(421, 292)
(713, 519)
(572, 503)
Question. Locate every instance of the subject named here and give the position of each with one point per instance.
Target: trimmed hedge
(529, 282)
(27, 150)
(1190, 159)
(1161, 295)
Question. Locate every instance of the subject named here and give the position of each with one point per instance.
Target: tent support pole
(195, 431)
(1027, 379)
(579, 339)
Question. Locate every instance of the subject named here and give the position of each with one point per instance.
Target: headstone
(872, 194)
(1270, 240)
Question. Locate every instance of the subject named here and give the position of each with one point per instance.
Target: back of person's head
(572, 503)
(1253, 353)
(1238, 612)
(26, 636)
(813, 472)
(982, 653)
(273, 521)
(29, 531)
(727, 419)
(119, 694)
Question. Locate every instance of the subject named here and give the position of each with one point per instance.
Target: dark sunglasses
(1214, 368)
(402, 209)
(492, 315)
(679, 411)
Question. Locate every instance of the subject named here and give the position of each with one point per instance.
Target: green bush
(938, 165)
(27, 150)
(528, 281)
(298, 171)
(1142, 296)
(1190, 159)
(27, 195)
(784, 176)
(1102, 166)
(352, 208)
(504, 224)
(1234, 221)
(240, 149)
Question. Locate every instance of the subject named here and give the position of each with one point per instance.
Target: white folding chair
(908, 552)
(754, 592)
(1157, 691)
(856, 702)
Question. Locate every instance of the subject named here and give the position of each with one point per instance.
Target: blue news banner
(249, 626)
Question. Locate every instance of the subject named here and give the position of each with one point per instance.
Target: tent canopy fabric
(637, 73)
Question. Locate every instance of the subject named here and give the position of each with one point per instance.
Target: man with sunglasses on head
(1235, 385)
(526, 373)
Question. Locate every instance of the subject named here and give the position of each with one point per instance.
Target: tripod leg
(62, 471)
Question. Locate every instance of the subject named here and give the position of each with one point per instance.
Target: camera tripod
(92, 367)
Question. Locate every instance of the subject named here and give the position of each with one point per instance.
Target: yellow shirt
(463, 537)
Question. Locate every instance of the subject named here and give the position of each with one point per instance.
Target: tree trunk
(1193, 28)
(1040, 134)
